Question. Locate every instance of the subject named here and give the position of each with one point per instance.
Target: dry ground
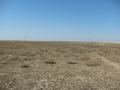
(59, 66)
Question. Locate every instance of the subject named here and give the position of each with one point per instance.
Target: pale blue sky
(60, 20)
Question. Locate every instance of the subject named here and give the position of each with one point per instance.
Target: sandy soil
(59, 66)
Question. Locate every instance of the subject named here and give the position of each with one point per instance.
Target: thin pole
(88, 39)
(24, 38)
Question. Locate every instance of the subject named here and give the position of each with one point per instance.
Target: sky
(60, 20)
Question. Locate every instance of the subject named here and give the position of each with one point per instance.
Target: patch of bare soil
(59, 66)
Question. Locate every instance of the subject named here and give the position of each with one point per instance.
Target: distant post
(24, 38)
(88, 39)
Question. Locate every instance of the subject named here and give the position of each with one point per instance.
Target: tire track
(114, 64)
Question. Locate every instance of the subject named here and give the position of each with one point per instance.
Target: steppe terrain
(27, 65)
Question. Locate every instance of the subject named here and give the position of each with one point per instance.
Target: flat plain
(28, 65)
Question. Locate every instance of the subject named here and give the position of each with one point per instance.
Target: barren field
(59, 66)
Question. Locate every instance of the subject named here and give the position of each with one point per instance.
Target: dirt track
(108, 62)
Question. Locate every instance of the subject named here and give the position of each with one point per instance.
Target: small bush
(50, 62)
(72, 63)
(25, 66)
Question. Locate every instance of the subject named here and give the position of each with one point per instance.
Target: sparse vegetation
(59, 65)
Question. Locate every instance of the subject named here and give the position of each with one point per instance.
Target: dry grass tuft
(50, 61)
(93, 63)
(14, 59)
(85, 57)
(43, 57)
(25, 66)
(30, 54)
(1, 53)
(71, 63)
(3, 63)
